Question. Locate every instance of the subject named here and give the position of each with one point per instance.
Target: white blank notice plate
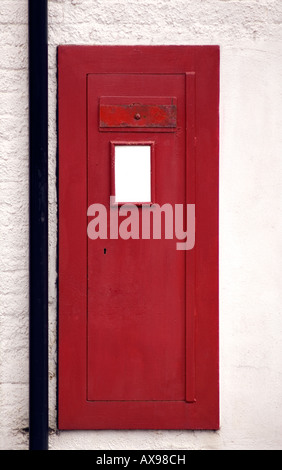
(132, 164)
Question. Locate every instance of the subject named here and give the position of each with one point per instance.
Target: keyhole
(105, 251)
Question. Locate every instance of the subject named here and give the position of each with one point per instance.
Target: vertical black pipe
(38, 192)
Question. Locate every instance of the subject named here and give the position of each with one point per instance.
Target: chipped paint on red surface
(138, 115)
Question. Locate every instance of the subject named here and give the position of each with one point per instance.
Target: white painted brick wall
(13, 225)
(250, 35)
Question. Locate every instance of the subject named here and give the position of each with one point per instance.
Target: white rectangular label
(132, 173)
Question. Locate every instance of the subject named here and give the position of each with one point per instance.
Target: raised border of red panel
(201, 66)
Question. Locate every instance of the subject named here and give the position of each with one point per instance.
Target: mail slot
(156, 113)
(138, 269)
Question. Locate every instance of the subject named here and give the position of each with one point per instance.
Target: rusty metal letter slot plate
(138, 112)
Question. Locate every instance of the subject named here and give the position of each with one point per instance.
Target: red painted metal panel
(148, 367)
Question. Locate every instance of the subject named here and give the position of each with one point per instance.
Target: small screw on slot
(137, 116)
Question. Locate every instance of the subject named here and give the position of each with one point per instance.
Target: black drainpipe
(38, 203)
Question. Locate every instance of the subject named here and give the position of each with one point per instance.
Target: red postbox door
(136, 287)
(138, 345)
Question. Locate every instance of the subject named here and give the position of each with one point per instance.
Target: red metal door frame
(200, 65)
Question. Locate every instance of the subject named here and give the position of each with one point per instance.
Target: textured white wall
(250, 35)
